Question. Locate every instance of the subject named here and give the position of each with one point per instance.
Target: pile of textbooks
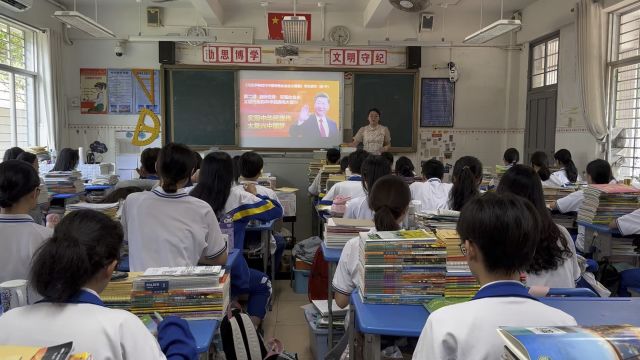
(110, 210)
(105, 180)
(314, 168)
(195, 292)
(321, 314)
(552, 193)
(330, 172)
(438, 219)
(487, 178)
(117, 294)
(64, 182)
(401, 267)
(460, 282)
(607, 202)
(337, 231)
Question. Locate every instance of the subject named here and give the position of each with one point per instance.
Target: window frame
(532, 45)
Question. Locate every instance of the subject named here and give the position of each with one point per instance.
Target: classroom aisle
(287, 322)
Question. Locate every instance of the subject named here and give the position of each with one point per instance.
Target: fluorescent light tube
(84, 23)
(174, 38)
(492, 31)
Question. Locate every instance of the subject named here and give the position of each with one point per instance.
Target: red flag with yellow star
(274, 24)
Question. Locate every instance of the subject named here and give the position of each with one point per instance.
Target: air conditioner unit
(17, 5)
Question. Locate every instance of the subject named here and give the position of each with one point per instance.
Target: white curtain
(591, 65)
(51, 104)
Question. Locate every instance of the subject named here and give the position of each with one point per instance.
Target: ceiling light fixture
(84, 23)
(494, 30)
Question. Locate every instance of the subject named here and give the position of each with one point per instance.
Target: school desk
(123, 265)
(203, 332)
(97, 187)
(332, 256)
(601, 237)
(265, 238)
(374, 320)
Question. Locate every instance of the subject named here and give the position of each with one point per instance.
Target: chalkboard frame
(449, 122)
(167, 121)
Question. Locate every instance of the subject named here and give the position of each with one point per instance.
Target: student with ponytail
(373, 168)
(70, 270)
(21, 236)
(511, 157)
(540, 163)
(166, 226)
(467, 176)
(67, 160)
(389, 199)
(568, 172)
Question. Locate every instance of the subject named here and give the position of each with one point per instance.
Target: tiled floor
(286, 321)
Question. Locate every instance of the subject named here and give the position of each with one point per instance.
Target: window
(17, 86)
(544, 62)
(625, 70)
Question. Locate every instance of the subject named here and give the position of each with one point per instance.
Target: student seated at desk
(433, 193)
(147, 171)
(70, 270)
(21, 236)
(333, 157)
(555, 263)
(466, 178)
(568, 173)
(352, 187)
(42, 202)
(12, 153)
(405, 169)
(373, 168)
(166, 226)
(389, 200)
(344, 165)
(67, 160)
(241, 204)
(540, 163)
(510, 157)
(499, 234)
(628, 224)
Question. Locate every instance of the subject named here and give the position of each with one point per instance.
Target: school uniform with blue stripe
(20, 237)
(351, 188)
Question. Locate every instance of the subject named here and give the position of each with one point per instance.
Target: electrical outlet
(74, 103)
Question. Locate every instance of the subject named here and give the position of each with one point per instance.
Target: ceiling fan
(410, 5)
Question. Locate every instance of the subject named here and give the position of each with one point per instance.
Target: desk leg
(352, 333)
(330, 302)
(371, 347)
(266, 253)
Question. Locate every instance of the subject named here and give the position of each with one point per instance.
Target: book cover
(56, 352)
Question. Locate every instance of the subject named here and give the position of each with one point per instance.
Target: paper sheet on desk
(323, 307)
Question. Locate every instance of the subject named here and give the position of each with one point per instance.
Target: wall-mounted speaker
(414, 57)
(167, 52)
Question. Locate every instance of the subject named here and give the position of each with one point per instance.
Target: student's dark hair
(523, 181)
(214, 183)
(600, 171)
(389, 199)
(540, 159)
(333, 156)
(356, 159)
(375, 110)
(17, 179)
(404, 167)
(373, 168)
(563, 156)
(12, 153)
(389, 156)
(148, 159)
(120, 194)
(198, 160)
(67, 160)
(83, 244)
(251, 164)
(432, 169)
(467, 174)
(27, 157)
(236, 168)
(511, 156)
(344, 164)
(175, 163)
(504, 227)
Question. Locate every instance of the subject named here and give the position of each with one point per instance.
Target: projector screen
(290, 109)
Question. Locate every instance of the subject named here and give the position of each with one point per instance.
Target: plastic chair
(571, 292)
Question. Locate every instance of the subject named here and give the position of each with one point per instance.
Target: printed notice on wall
(437, 102)
(93, 87)
(147, 89)
(120, 87)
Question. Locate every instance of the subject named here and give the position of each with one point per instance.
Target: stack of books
(314, 168)
(606, 202)
(460, 281)
(105, 180)
(110, 210)
(322, 311)
(330, 172)
(500, 170)
(337, 231)
(487, 178)
(439, 219)
(401, 267)
(552, 194)
(195, 292)
(117, 294)
(64, 182)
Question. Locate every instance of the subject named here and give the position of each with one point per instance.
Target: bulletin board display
(119, 91)
(437, 102)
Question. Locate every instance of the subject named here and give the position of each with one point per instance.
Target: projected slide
(290, 109)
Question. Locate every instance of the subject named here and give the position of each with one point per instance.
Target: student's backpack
(318, 277)
(608, 275)
(241, 341)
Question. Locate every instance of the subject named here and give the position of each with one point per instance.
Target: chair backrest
(571, 292)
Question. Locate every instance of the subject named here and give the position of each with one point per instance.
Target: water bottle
(414, 207)
(226, 226)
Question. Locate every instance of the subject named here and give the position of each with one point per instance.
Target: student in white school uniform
(466, 178)
(555, 264)
(499, 233)
(20, 236)
(373, 168)
(433, 193)
(240, 204)
(147, 171)
(540, 163)
(42, 202)
(598, 172)
(70, 270)
(405, 169)
(568, 173)
(389, 200)
(333, 158)
(352, 187)
(511, 157)
(166, 226)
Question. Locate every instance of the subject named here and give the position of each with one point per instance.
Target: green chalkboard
(395, 96)
(201, 107)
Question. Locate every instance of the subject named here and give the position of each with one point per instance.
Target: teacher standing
(375, 138)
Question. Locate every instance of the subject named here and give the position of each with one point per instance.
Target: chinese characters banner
(231, 54)
(357, 57)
